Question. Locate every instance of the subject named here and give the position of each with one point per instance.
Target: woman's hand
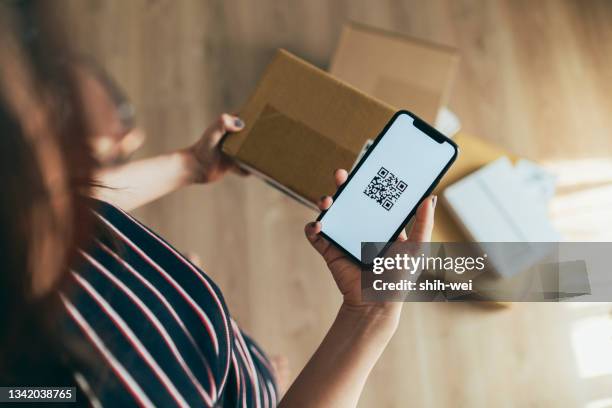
(206, 161)
(347, 273)
(142, 181)
(336, 373)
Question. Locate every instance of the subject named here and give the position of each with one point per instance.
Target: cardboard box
(301, 125)
(404, 72)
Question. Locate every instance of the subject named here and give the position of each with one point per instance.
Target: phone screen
(387, 185)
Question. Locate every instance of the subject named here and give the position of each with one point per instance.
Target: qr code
(385, 188)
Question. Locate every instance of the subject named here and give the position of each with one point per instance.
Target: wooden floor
(535, 77)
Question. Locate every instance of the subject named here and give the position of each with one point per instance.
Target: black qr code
(385, 188)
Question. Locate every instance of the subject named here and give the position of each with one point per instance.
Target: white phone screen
(387, 186)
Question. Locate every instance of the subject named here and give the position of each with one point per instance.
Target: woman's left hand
(207, 162)
(346, 272)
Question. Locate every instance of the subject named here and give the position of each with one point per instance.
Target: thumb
(319, 243)
(225, 123)
(230, 123)
(424, 221)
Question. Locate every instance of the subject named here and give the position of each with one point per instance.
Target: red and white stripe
(132, 339)
(207, 323)
(168, 307)
(155, 321)
(263, 360)
(239, 385)
(272, 392)
(241, 381)
(124, 376)
(201, 277)
(246, 357)
(84, 385)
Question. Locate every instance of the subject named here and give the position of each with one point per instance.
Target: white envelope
(494, 204)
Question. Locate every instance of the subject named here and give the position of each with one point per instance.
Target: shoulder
(145, 315)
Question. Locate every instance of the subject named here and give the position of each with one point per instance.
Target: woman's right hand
(346, 272)
(208, 163)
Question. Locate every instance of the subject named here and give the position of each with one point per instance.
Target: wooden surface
(535, 77)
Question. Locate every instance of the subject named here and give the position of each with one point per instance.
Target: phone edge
(432, 186)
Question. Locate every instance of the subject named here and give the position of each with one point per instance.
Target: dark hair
(42, 132)
(125, 109)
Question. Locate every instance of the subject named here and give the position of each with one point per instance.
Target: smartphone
(383, 191)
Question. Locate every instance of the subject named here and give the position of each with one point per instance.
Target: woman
(90, 297)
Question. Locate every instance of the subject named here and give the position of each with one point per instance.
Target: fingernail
(238, 123)
(323, 198)
(434, 200)
(311, 225)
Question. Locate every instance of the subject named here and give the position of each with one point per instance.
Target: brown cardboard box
(415, 75)
(301, 125)
(402, 71)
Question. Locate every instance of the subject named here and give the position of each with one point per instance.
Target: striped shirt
(144, 326)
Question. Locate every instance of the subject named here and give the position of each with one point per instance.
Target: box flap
(406, 73)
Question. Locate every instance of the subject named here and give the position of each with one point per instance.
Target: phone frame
(429, 131)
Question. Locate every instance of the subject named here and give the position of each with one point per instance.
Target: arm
(338, 370)
(134, 184)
